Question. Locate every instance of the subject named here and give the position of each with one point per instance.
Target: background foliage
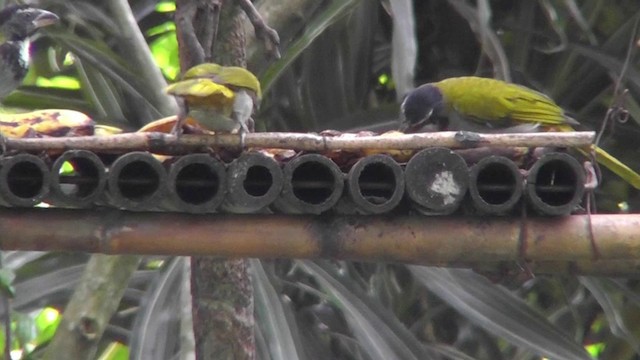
(336, 72)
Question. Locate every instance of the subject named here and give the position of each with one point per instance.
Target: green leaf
(6, 282)
(165, 52)
(33, 97)
(99, 91)
(276, 321)
(499, 311)
(379, 332)
(60, 81)
(163, 28)
(612, 306)
(108, 64)
(115, 351)
(166, 6)
(46, 322)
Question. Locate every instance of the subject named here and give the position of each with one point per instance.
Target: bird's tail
(610, 162)
(616, 166)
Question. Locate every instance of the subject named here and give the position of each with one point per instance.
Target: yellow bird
(222, 98)
(496, 104)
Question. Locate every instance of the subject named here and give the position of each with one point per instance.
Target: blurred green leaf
(613, 309)
(47, 322)
(379, 332)
(62, 82)
(33, 97)
(108, 64)
(499, 311)
(166, 6)
(99, 92)
(6, 282)
(161, 29)
(165, 51)
(276, 321)
(115, 351)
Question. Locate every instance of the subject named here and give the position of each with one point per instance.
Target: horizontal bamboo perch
(171, 144)
(422, 240)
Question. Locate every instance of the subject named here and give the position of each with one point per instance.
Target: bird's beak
(45, 18)
(404, 126)
(407, 126)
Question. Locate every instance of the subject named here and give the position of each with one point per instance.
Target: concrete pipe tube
(555, 184)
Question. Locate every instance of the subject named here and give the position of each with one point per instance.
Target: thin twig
(190, 49)
(7, 327)
(208, 24)
(617, 103)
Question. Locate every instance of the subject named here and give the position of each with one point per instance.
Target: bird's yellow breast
(490, 100)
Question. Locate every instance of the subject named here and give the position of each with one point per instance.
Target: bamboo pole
(444, 241)
(162, 143)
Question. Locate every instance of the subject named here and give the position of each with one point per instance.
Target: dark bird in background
(17, 24)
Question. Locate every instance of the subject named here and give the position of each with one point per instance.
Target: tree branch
(93, 303)
(191, 51)
(267, 35)
(221, 289)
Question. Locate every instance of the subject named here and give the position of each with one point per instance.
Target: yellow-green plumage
(489, 100)
(204, 93)
(222, 98)
(496, 103)
(226, 75)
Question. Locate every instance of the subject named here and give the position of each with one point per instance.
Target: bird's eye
(26, 15)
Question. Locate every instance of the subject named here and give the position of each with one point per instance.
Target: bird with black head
(491, 103)
(18, 23)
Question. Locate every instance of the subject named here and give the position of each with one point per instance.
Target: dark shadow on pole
(376, 184)
(254, 182)
(24, 180)
(436, 180)
(136, 181)
(495, 185)
(80, 185)
(312, 184)
(555, 184)
(196, 183)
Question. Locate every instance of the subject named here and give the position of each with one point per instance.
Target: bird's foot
(243, 135)
(181, 120)
(177, 128)
(591, 179)
(3, 145)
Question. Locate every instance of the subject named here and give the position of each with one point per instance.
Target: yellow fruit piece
(48, 122)
(106, 130)
(165, 125)
(398, 155)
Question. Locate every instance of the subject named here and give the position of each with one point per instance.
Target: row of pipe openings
(436, 180)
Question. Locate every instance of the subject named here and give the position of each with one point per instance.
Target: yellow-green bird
(221, 98)
(496, 104)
